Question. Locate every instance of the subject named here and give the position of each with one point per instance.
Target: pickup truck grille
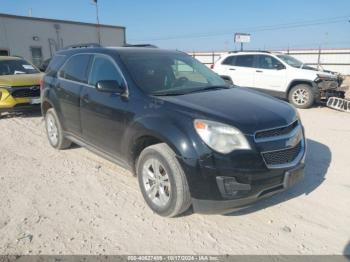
(28, 91)
(276, 132)
(282, 157)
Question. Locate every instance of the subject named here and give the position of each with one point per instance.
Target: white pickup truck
(279, 75)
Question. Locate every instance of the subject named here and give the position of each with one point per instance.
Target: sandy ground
(73, 202)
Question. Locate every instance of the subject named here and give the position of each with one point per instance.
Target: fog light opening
(229, 187)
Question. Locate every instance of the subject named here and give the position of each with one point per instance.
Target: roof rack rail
(250, 51)
(141, 45)
(87, 45)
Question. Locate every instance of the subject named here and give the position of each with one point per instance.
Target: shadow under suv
(190, 139)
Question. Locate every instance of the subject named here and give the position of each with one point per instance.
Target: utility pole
(98, 22)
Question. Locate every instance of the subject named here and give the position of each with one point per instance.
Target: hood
(312, 73)
(247, 110)
(20, 80)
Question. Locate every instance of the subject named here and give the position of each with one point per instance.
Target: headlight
(4, 92)
(220, 137)
(325, 77)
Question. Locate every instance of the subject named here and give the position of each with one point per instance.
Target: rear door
(241, 69)
(271, 75)
(102, 113)
(72, 77)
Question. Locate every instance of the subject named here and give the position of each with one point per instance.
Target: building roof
(57, 21)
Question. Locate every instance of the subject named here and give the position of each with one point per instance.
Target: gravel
(73, 202)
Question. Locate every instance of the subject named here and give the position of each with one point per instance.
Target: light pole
(98, 22)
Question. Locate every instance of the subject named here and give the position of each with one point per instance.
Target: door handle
(232, 69)
(86, 99)
(259, 71)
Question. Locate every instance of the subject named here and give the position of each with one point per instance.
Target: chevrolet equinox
(190, 139)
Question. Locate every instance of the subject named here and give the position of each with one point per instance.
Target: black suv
(188, 137)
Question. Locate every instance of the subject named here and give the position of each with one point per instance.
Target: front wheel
(162, 181)
(301, 96)
(54, 131)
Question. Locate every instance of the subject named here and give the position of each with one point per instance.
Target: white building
(37, 39)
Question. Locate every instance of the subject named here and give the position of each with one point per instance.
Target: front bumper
(219, 183)
(11, 103)
(288, 179)
(328, 88)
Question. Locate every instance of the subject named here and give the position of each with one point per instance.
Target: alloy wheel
(156, 182)
(52, 129)
(301, 96)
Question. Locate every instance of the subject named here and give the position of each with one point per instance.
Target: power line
(305, 23)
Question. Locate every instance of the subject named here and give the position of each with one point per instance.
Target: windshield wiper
(189, 92)
(208, 88)
(168, 94)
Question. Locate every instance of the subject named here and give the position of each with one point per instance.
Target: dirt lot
(73, 202)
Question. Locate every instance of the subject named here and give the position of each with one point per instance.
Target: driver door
(103, 113)
(270, 75)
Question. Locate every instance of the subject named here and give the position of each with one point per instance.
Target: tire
(301, 96)
(54, 131)
(171, 196)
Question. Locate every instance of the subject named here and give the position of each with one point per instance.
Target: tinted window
(229, 60)
(76, 68)
(169, 73)
(16, 67)
(54, 64)
(268, 62)
(245, 60)
(104, 69)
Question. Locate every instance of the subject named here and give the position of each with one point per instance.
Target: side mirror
(110, 86)
(280, 67)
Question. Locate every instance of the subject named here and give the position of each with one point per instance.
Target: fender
(164, 130)
(50, 97)
(302, 81)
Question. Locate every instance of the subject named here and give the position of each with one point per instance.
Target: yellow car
(19, 84)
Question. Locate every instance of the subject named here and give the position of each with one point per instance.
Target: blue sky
(196, 25)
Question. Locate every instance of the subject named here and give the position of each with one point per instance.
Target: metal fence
(337, 60)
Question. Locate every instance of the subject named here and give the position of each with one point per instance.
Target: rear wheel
(54, 131)
(301, 96)
(162, 181)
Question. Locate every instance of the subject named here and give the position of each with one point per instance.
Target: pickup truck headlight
(220, 137)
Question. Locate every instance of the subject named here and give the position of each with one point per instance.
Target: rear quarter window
(55, 64)
(229, 60)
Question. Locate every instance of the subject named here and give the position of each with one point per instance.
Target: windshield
(291, 61)
(16, 66)
(170, 73)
